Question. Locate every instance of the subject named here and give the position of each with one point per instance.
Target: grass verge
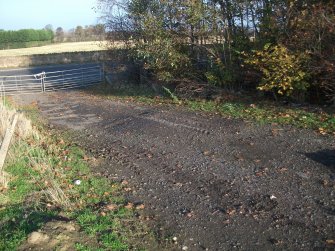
(49, 178)
(259, 111)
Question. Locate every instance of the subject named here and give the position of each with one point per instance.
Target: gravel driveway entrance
(213, 183)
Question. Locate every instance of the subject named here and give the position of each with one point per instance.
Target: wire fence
(51, 81)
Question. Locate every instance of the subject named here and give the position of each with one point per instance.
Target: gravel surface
(208, 183)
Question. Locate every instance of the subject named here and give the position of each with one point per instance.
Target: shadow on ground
(17, 222)
(325, 157)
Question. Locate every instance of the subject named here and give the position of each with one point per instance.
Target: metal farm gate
(50, 81)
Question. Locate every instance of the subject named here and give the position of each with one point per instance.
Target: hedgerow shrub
(282, 71)
(23, 38)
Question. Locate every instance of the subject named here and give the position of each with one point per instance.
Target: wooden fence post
(6, 142)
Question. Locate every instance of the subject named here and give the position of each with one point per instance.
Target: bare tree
(49, 27)
(59, 34)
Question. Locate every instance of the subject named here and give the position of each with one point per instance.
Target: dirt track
(214, 183)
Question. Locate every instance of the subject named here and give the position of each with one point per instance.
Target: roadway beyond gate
(49, 78)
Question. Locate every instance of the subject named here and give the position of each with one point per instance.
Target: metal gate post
(42, 74)
(43, 82)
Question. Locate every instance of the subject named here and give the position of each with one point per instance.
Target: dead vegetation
(23, 130)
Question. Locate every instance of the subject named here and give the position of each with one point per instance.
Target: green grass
(94, 225)
(269, 113)
(18, 216)
(39, 161)
(257, 111)
(17, 222)
(126, 92)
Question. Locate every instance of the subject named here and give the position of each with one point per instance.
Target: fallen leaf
(281, 170)
(231, 212)
(140, 207)
(239, 157)
(189, 215)
(111, 207)
(322, 131)
(124, 182)
(129, 205)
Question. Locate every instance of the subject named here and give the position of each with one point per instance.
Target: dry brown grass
(23, 126)
(23, 129)
(55, 194)
(56, 48)
(6, 117)
(52, 192)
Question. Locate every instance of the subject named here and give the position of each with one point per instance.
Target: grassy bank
(48, 179)
(260, 111)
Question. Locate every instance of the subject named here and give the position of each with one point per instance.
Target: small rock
(206, 153)
(272, 197)
(185, 248)
(174, 238)
(274, 241)
(37, 238)
(303, 175)
(69, 227)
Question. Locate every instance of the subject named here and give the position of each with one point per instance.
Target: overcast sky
(36, 14)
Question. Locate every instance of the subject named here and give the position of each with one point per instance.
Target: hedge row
(6, 46)
(26, 35)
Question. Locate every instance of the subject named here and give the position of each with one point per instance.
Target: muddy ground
(213, 183)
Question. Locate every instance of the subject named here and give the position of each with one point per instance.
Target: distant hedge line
(24, 38)
(5, 46)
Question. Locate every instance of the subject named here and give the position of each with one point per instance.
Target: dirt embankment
(209, 182)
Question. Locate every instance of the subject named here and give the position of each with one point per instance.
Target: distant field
(55, 48)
